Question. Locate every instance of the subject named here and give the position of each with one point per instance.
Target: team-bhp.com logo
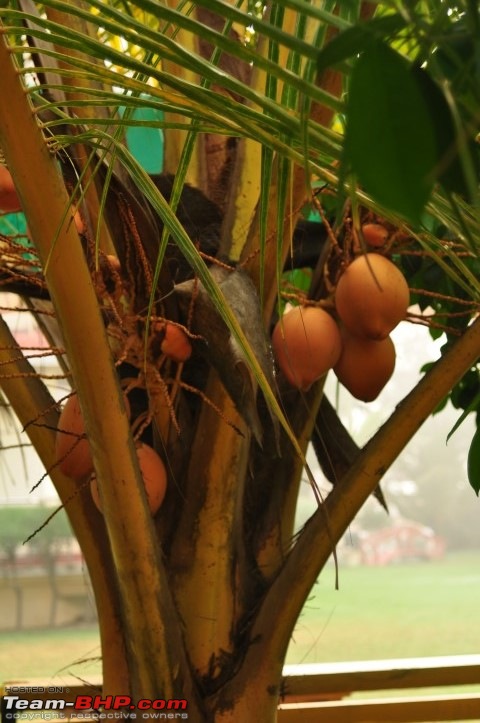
(109, 707)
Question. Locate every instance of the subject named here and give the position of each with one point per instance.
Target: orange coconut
(372, 296)
(374, 234)
(72, 448)
(154, 478)
(306, 343)
(176, 344)
(365, 365)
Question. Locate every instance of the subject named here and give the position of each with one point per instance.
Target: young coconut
(375, 234)
(72, 448)
(372, 296)
(154, 478)
(176, 344)
(365, 365)
(306, 343)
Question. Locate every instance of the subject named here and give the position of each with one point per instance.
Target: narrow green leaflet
(389, 139)
(473, 465)
(474, 405)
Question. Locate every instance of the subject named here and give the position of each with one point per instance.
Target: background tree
(200, 601)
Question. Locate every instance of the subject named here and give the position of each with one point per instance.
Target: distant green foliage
(17, 522)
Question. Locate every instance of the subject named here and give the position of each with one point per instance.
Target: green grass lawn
(50, 654)
(412, 610)
(399, 611)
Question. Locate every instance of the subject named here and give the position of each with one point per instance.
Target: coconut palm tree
(165, 289)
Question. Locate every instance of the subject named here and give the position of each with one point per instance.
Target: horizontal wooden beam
(312, 681)
(393, 710)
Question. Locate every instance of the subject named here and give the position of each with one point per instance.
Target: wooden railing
(322, 693)
(319, 693)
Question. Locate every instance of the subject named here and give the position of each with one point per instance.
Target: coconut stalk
(203, 559)
(156, 653)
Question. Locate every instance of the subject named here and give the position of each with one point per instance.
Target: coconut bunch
(353, 338)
